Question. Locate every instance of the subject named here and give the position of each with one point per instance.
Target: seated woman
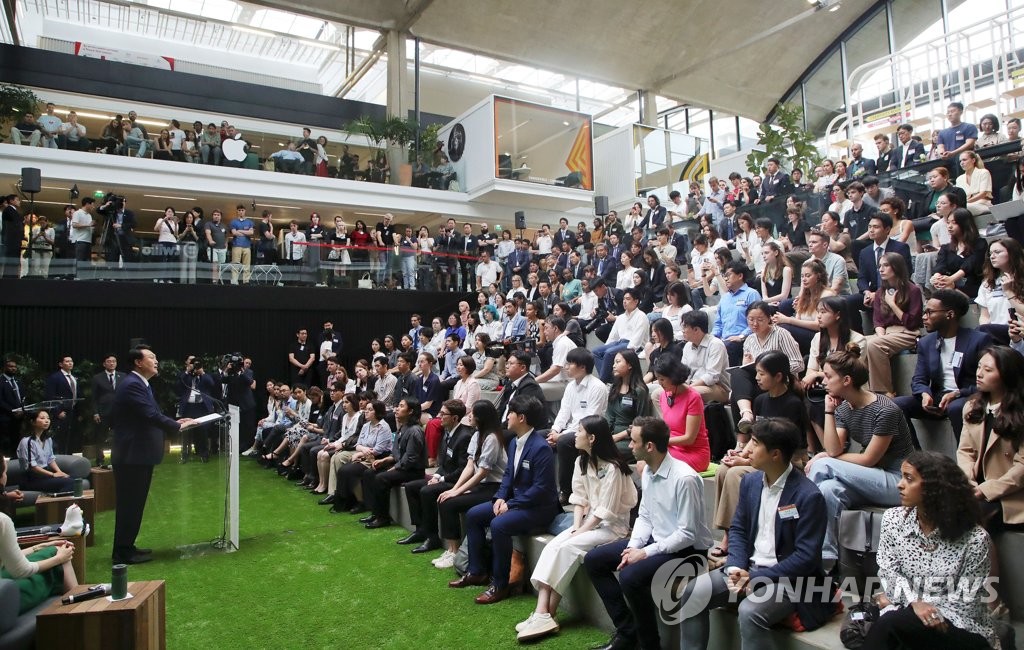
(628, 399)
(976, 182)
(782, 398)
(959, 263)
(35, 451)
(479, 481)
(854, 414)
(42, 570)
(303, 431)
(764, 337)
(349, 429)
(1000, 291)
(602, 496)
(677, 303)
(896, 313)
(300, 417)
(375, 440)
(835, 334)
(990, 452)
(486, 373)
(839, 241)
(935, 534)
(405, 462)
(777, 278)
(662, 341)
(803, 324)
(713, 277)
(467, 389)
(682, 408)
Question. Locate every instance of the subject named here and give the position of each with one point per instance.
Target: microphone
(91, 593)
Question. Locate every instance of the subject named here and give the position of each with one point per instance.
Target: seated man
(72, 134)
(731, 318)
(947, 362)
(868, 279)
(519, 381)
(288, 160)
(26, 129)
(630, 331)
(422, 493)
(767, 557)
(49, 127)
(584, 395)
(526, 501)
(706, 357)
(670, 525)
(562, 345)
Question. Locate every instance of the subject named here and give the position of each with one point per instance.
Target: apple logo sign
(234, 149)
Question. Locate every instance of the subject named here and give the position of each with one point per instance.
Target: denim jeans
(848, 485)
(205, 152)
(141, 143)
(604, 357)
(409, 272)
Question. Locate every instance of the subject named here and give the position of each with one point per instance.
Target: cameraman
(238, 384)
(196, 392)
(118, 229)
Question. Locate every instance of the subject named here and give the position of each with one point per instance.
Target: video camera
(113, 203)
(232, 363)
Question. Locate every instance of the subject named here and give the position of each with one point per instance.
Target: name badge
(583, 404)
(526, 464)
(958, 358)
(627, 401)
(450, 452)
(788, 512)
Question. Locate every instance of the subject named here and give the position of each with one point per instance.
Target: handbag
(365, 282)
(858, 535)
(856, 623)
(334, 254)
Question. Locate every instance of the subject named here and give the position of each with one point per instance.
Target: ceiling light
(565, 123)
(283, 207)
(37, 202)
(150, 210)
(250, 30)
(175, 198)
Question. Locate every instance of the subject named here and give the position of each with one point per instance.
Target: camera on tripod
(111, 203)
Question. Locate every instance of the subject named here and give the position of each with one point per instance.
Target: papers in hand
(200, 421)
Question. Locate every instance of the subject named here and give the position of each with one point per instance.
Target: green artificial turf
(302, 578)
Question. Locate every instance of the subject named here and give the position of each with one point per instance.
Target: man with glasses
(519, 381)
(630, 330)
(731, 318)
(706, 357)
(422, 493)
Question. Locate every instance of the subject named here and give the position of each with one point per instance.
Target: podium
(228, 539)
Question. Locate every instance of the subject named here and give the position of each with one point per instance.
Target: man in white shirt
(774, 548)
(584, 395)
(713, 201)
(49, 125)
(81, 234)
(72, 134)
(630, 330)
(706, 357)
(562, 345)
(488, 271)
(670, 526)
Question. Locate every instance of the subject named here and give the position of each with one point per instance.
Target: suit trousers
(307, 458)
(377, 488)
(634, 585)
(131, 489)
(881, 350)
(503, 528)
(348, 477)
(756, 615)
(421, 495)
(566, 452)
(450, 510)
(911, 407)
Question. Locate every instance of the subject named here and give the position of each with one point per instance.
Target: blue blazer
(916, 151)
(928, 372)
(518, 325)
(138, 424)
(56, 387)
(532, 485)
(798, 541)
(867, 271)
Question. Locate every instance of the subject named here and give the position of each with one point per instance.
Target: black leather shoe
(327, 500)
(617, 642)
(411, 539)
(142, 551)
(431, 544)
(379, 522)
(367, 519)
(357, 509)
(134, 558)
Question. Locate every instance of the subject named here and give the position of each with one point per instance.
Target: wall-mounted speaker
(601, 205)
(520, 220)
(31, 180)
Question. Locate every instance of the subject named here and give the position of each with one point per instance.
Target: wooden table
(102, 482)
(52, 510)
(78, 561)
(138, 623)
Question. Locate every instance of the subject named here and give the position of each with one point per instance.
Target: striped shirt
(879, 418)
(777, 339)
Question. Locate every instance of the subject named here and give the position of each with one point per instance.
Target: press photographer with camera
(118, 238)
(197, 396)
(236, 378)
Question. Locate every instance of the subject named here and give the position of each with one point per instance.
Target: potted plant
(15, 101)
(400, 134)
(786, 140)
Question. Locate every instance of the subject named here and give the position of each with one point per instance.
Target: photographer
(196, 392)
(236, 378)
(118, 237)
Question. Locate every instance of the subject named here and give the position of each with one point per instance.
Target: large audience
(598, 372)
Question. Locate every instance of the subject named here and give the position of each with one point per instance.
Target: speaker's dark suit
(12, 396)
(139, 429)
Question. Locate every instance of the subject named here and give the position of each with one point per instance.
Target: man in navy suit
(139, 429)
(104, 383)
(765, 559)
(564, 234)
(670, 526)
(947, 363)
(526, 501)
(908, 152)
(868, 280)
(604, 266)
(775, 182)
(655, 216)
(63, 386)
(12, 396)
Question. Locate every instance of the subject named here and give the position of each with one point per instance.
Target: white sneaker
(522, 625)
(251, 451)
(539, 625)
(446, 561)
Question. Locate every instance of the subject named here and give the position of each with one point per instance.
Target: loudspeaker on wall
(600, 205)
(520, 220)
(31, 180)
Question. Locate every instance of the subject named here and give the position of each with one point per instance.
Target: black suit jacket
(606, 269)
(138, 424)
(103, 394)
(776, 185)
(56, 387)
(654, 218)
(527, 386)
(916, 151)
(867, 271)
(9, 399)
(466, 246)
(14, 228)
(570, 236)
(454, 452)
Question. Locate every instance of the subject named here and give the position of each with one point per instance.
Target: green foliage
(427, 140)
(392, 129)
(786, 140)
(16, 101)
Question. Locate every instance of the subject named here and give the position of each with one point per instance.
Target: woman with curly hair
(930, 550)
(1002, 289)
(854, 413)
(803, 324)
(897, 312)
